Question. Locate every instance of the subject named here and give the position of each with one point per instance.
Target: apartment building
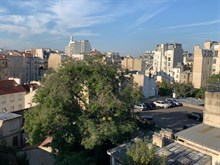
(203, 63)
(166, 57)
(24, 65)
(77, 47)
(205, 137)
(4, 67)
(133, 64)
(10, 129)
(112, 58)
(148, 84)
(11, 96)
(55, 60)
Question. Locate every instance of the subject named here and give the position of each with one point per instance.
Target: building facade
(133, 64)
(202, 64)
(11, 96)
(166, 57)
(10, 129)
(78, 47)
(24, 65)
(4, 67)
(148, 85)
(55, 60)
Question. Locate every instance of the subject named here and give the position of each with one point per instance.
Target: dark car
(195, 115)
(150, 106)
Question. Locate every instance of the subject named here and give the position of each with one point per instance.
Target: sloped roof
(10, 86)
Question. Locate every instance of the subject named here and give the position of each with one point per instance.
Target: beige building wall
(55, 60)
(127, 63)
(29, 99)
(138, 64)
(212, 109)
(186, 77)
(12, 102)
(202, 66)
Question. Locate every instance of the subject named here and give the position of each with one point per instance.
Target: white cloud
(84, 33)
(195, 24)
(147, 16)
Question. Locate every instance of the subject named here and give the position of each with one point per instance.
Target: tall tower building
(77, 47)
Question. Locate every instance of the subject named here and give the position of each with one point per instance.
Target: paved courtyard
(172, 118)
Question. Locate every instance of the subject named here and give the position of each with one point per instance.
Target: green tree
(214, 79)
(142, 153)
(164, 88)
(82, 105)
(183, 90)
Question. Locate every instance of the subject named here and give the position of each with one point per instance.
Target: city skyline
(127, 27)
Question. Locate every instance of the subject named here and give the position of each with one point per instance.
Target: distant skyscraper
(77, 47)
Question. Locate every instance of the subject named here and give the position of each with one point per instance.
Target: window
(169, 58)
(214, 61)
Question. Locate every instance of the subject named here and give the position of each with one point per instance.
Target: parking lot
(172, 118)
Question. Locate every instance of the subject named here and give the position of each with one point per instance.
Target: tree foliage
(214, 79)
(143, 153)
(164, 88)
(183, 90)
(83, 104)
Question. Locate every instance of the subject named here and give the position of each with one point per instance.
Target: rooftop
(10, 86)
(202, 134)
(8, 116)
(178, 154)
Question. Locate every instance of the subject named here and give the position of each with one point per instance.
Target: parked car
(141, 106)
(150, 106)
(174, 101)
(188, 126)
(195, 115)
(161, 104)
(171, 103)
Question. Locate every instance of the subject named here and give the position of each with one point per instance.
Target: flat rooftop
(8, 116)
(202, 134)
(178, 154)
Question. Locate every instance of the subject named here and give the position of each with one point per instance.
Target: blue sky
(124, 26)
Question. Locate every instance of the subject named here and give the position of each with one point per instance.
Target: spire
(71, 38)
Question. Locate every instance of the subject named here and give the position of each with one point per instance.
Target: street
(172, 118)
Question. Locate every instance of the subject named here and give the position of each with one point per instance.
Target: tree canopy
(82, 105)
(142, 153)
(214, 79)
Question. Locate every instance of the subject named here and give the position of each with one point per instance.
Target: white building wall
(29, 99)
(176, 74)
(147, 83)
(12, 102)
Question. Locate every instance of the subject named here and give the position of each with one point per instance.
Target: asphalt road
(172, 118)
